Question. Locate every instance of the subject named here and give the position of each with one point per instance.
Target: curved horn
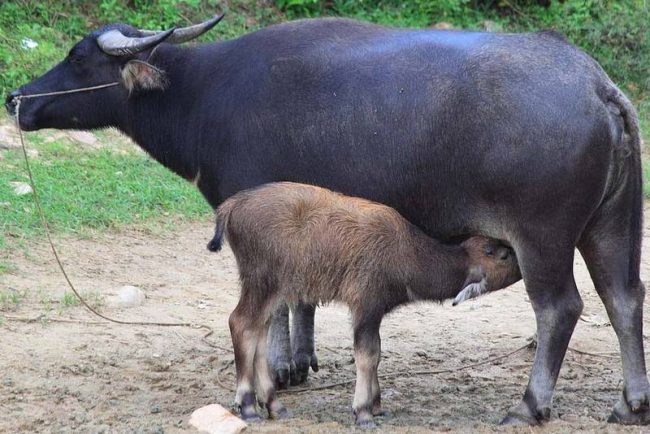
(115, 43)
(185, 34)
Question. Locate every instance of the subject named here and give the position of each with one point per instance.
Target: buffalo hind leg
(611, 247)
(264, 384)
(279, 347)
(302, 342)
(367, 350)
(547, 268)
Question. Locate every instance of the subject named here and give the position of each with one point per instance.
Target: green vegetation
(84, 190)
(10, 299)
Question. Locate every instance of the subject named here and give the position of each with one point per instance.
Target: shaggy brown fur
(300, 243)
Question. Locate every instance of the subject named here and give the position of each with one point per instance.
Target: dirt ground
(91, 376)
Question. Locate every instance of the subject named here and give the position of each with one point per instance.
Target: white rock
(130, 296)
(21, 188)
(83, 137)
(214, 419)
(28, 44)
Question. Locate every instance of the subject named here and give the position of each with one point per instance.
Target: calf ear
(138, 75)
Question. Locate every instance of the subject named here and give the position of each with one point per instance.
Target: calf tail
(222, 216)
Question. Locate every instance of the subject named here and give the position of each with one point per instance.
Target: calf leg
(547, 268)
(302, 342)
(279, 347)
(244, 335)
(367, 350)
(264, 383)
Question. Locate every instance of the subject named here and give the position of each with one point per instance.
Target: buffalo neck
(166, 123)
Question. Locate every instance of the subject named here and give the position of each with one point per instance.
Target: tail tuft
(222, 217)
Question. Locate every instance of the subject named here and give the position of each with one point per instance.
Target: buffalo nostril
(11, 101)
(11, 98)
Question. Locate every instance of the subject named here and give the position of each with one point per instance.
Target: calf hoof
(302, 363)
(633, 410)
(364, 419)
(249, 414)
(522, 415)
(368, 424)
(279, 414)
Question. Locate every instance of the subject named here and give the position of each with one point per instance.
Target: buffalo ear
(138, 75)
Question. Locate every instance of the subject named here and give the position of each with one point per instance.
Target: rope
(64, 92)
(46, 226)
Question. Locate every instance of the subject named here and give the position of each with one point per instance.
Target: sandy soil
(103, 377)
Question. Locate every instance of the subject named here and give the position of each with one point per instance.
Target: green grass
(82, 191)
(10, 299)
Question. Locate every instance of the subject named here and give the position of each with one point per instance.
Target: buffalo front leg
(548, 275)
(279, 347)
(302, 342)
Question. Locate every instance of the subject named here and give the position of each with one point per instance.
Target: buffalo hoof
(302, 363)
(522, 415)
(283, 375)
(635, 410)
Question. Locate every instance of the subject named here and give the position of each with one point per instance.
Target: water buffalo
(518, 137)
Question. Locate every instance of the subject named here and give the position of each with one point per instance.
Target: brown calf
(299, 243)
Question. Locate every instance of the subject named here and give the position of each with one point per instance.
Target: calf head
(114, 53)
(492, 266)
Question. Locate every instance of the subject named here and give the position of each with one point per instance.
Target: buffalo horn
(185, 34)
(115, 43)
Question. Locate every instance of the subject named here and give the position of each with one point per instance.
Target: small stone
(83, 137)
(442, 26)
(21, 188)
(214, 419)
(130, 296)
(155, 409)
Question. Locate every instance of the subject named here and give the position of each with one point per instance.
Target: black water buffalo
(519, 137)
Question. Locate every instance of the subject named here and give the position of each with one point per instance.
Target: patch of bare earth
(103, 377)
